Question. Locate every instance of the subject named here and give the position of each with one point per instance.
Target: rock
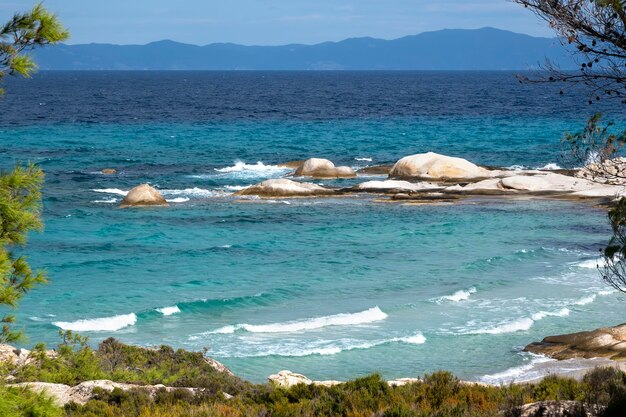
(143, 195)
(376, 170)
(292, 164)
(284, 188)
(608, 342)
(395, 186)
(327, 384)
(108, 171)
(435, 166)
(323, 168)
(559, 409)
(489, 185)
(218, 366)
(288, 379)
(610, 171)
(58, 392)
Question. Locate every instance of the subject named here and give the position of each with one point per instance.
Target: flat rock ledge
(82, 393)
(606, 342)
(283, 187)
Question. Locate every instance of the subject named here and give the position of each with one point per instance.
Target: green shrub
(17, 402)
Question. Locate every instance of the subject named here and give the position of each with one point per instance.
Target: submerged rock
(607, 342)
(108, 171)
(323, 168)
(143, 195)
(284, 188)
(435, 166)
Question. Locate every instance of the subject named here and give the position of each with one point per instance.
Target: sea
(334, 288)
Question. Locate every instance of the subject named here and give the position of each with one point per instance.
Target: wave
(345, 319)
(192, 192)
(520, 325)
(258, 168)
(585, 300)
(550, 167)
(168, 311)
(178, 200)
(111, 191)
(295, 348)
(107, 201)
(104, 324)
(564, 312)
(460, 295)
(518, 373)
(363, 159)
(236, 187)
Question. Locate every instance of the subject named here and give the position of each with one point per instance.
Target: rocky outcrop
(81, 393)
(218, 366)
(323, 168)
(610, 171)
(143, 195)
(284, 188)
(435, 166)
(607, 342)
(288, 379)
(13, 356)
(395, 186)
(108, 171)
(559, 409)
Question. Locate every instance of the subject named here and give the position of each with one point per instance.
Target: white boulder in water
(323, 168)
(143, 195)
(436, 166)
(284, 188)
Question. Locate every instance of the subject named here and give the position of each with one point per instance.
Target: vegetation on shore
(222, 394)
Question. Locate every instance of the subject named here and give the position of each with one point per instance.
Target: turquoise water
(332, 288)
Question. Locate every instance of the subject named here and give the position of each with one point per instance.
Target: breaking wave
(104, 324)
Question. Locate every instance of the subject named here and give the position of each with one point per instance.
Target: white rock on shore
(396, 185)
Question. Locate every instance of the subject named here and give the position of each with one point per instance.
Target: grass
(438, 395)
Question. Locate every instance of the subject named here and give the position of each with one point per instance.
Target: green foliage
(20, 213)
(24, 32)
(595, 143)
(16, 402)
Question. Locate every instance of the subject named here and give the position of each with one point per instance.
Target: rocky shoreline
(428, 177)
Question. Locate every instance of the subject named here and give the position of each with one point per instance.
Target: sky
(275, 22)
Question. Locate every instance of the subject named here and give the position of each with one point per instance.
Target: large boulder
(323, 168)
(559, 409)
(435, 166)
(284, 188)
(143, 195)
(607, 342)
(288, 379)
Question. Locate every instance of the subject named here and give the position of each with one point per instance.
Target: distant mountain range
(450, 49)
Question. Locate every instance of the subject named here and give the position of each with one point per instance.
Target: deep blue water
(333, 288)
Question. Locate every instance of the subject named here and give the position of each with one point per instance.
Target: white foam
(168, 311)
(519, 325)
(178, 200)
(551, 166)
(363, 159)
(295, 348)
(107, 201)
(258, 168)
(517, 373)
(585, 300)
(564, 312)
(192, 192)
(591, 263)
(460, 295)
(236, 187)
(104, 324)
(607, 292)
(516, 168)
(111, 191)
(345, 319)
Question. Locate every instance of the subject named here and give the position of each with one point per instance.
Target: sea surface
(333, 288)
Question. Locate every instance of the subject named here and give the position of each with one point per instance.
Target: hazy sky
(262, 22)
